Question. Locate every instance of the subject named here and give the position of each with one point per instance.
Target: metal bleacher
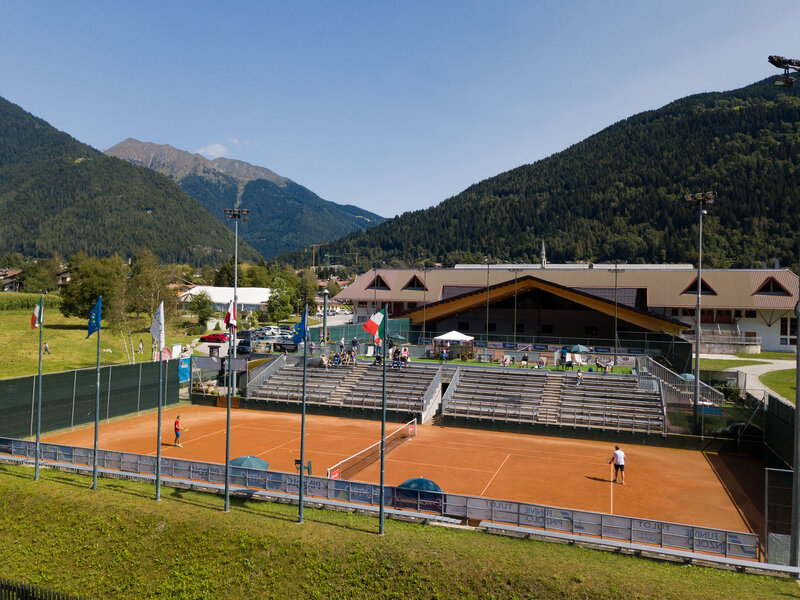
(357, 386)
(551, 398)
(539, 397)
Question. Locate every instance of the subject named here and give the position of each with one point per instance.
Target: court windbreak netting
(347, 468)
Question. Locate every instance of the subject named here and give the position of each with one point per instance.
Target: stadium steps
(550, 406)
(349, 382)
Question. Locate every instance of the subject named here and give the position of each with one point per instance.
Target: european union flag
(301, 329)
(94, 317)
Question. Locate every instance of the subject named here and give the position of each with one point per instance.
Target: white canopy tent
(454, 337)
(464, 343)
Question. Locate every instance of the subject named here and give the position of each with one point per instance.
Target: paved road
(753, 383)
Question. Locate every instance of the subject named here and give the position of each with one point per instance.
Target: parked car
(284, 343)
(243, 348)
(215, 337)
(244, 334)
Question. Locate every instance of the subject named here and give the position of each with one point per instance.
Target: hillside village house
(741, 309)
(248, 299)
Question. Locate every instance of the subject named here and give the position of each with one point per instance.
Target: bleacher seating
(551, 398)
(538, 397)
(352, 386)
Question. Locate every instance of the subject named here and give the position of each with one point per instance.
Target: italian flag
(376, 326)
(230, 316)
(38, 314)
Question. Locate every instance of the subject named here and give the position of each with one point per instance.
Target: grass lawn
(783, 382)
(69, 348)
(719, 364)
(768, 356)
(117, 542)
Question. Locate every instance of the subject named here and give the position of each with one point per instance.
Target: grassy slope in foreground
(117, 542)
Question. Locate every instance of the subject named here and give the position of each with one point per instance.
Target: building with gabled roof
(744, 306)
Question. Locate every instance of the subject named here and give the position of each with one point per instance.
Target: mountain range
(60, 196)
(619, 194)
(284, 215)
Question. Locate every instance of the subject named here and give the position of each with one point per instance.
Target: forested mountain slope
(58, 195)
(618, 195)
(284, 215)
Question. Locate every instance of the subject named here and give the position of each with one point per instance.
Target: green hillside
(618, 195)
(58, 195)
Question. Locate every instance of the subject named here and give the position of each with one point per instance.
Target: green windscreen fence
(69, 398)
(779, 428)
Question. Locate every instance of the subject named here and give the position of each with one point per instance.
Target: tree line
(135, 288)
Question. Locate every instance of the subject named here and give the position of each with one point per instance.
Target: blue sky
(391, 106)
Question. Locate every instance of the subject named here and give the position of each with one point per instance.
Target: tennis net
(360, 461)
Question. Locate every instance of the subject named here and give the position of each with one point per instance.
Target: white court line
(495, 474)
(611, 485)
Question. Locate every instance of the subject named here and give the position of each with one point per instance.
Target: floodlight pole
(324, 344)
(235, 214)
(424, 299)
(701, 199)
(516, 272)
(487, 304)
(794, 551)
(616, 330)
(795, 539)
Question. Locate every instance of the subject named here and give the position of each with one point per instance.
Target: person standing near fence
(46, 348)
(618, 458)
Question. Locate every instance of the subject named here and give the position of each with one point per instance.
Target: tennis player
(178, 430)
(618, 458)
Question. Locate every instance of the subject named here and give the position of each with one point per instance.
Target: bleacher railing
(674, 385)
(432, 398)
(264, 374)
(451, 389)
(542, 518)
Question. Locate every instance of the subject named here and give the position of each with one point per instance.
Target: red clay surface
(681, 486)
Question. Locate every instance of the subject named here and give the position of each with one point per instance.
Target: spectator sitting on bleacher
(396, 358)
(378, 360)
(404, 356)
(524, 362)
(540, 364)
(337, 359)
(324, 361)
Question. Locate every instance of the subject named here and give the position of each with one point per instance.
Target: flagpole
(304, 332)
(97, 399)
(160, 395)
(39, 407)
(383, 420)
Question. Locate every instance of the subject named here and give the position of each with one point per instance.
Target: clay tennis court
(682, 486)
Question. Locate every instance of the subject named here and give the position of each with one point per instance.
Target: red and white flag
(230, 316)
(376, 326)
(38, 314)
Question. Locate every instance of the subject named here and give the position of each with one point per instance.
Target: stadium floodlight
(701, 200)
(784, 63)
